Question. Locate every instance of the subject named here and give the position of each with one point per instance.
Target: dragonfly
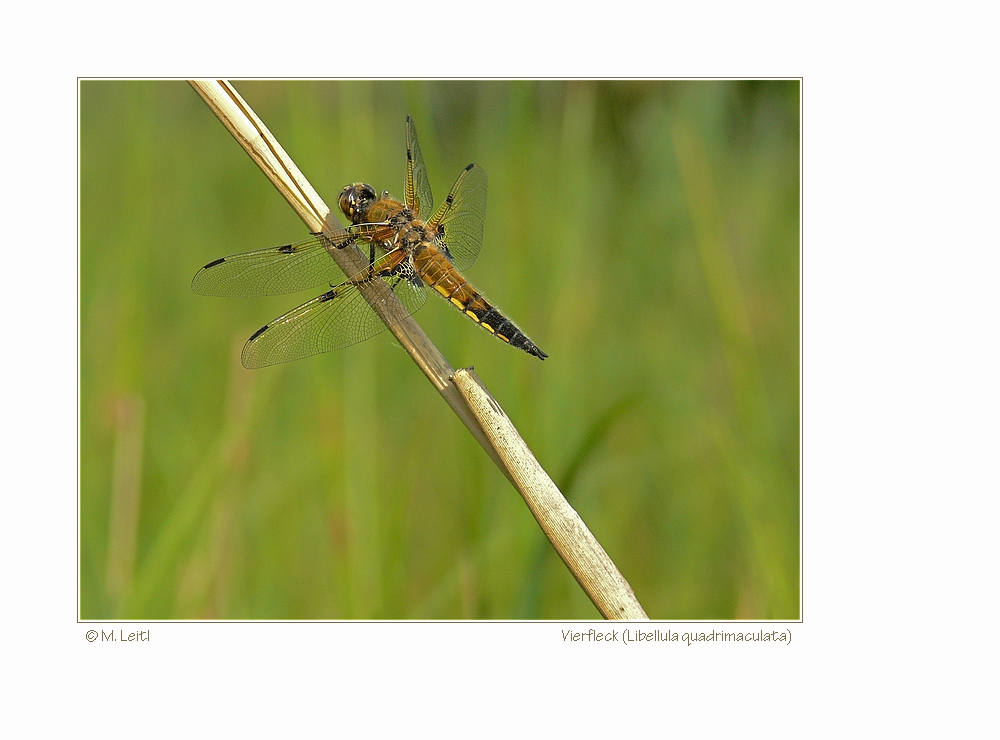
(411, 249)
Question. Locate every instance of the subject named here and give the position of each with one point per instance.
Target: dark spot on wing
(214, 263)
(287, 249)
(470, 167)
(257, 333)
(328, 296)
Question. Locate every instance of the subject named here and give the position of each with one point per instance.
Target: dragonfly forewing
(275, 270)
(417, 188)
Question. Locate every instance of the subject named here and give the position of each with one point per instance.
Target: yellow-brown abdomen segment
(438, 273)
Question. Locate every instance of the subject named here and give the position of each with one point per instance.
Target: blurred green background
(644, 234)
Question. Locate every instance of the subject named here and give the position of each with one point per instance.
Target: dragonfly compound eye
(355, 200)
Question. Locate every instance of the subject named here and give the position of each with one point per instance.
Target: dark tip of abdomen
(531, 349)
(521, 341)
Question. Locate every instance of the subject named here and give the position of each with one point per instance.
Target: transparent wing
(462, 217)
(275, 270)
(340, 317)
(417, 188)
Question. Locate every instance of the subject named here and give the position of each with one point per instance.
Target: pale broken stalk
(463, 392)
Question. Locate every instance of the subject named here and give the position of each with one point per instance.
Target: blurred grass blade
(188, 511)
(720, 273)
(126, 492)
(597, 433)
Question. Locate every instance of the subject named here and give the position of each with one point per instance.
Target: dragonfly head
(356, 199)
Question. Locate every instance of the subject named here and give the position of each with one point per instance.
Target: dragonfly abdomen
(438, 273)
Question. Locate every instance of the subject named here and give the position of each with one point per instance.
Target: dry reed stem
(576, 545)
(584, 556)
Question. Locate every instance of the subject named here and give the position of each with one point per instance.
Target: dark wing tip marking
(287, 249)
(257, 333)
(213, 263)
(469, 167)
